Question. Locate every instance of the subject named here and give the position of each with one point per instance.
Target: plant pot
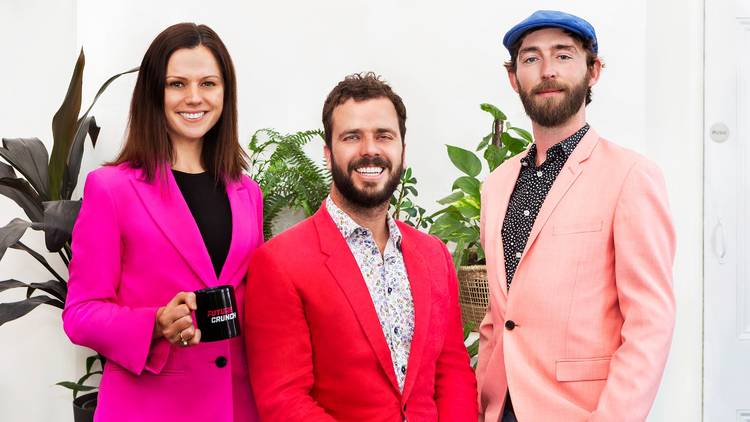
(473, 294)
(84, 407)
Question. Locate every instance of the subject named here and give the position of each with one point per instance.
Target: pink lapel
(562, 184)
(243, 233)
(343, 267)
(421, 286)
(497, 205)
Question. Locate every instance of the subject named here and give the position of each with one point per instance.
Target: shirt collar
(564, 147)
(347, 226)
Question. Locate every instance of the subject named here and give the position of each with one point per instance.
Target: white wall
(442, 58)
(39, 52)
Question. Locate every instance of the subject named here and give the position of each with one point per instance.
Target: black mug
(216, 315)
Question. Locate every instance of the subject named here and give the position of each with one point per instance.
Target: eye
(351, 137)
(385, 136)
(175, 84)
(530, 60)
(209, 83)
(565, 57)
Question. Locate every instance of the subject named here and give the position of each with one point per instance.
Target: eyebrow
(185, 77)
(556, 47)
(357, 131)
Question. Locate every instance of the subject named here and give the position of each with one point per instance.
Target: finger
(180, 298)
(178, 325)
(190, 301)
(196, 337)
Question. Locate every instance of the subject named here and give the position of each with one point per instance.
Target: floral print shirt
(387, 282)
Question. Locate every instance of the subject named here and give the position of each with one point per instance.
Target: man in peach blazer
(579, 245)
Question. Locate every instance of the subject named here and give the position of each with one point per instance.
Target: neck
(186, 156)
(547, 137)
(373, 219)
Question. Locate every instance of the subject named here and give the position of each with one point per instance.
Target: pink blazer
(317, 347)
(591, 298)
(136, 245)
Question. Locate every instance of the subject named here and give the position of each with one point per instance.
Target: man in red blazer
(579, 245)
(351, 315)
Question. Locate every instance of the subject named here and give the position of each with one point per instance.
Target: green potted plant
(457, 222)
(44, 192)
(288, 178)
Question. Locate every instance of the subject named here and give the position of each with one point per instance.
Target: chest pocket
(577, 227)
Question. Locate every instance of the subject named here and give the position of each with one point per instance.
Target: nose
(549, 71)
(369, 146)
(193, 95)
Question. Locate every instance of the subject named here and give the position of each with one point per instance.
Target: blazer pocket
(588, 369)
(579, 227)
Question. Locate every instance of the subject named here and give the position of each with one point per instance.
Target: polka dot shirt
(531, 189)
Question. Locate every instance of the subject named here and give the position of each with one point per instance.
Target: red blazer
(315, 345)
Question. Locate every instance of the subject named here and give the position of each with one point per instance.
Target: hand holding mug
(174, 321)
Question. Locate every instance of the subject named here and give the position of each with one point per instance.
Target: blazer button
(221, 361)
(404, 408)
(510, 325)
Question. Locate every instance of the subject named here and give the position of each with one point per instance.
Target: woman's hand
(174, 322)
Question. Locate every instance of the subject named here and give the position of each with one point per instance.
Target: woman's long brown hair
(147, 144)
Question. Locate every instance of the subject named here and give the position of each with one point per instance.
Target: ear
(513, 80)
(327, 154)
(594, 72)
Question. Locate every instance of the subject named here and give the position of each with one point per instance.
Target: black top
(209, 204)
(531, 189)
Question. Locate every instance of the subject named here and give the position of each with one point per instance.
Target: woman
(173, 214)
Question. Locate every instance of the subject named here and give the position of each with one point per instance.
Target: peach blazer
(591, 302)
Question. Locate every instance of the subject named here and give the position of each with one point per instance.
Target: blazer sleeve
(92, 317)
(644, 243)
(455, 384)
(278, 345)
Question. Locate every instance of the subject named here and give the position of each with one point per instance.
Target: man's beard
(365, 198)
(544, 111)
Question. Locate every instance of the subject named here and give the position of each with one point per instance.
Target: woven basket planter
(473, 294)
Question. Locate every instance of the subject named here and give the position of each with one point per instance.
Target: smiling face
(366, 153)
(552, 76)
(193, 94)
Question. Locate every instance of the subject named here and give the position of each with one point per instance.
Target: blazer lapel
(421, 292)
(243, 218)
(497, 207)
(164, 202)
(562, 184)
(346, 272)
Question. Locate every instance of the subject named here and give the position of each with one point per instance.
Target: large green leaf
(494, 111)
(14, 310)
(59, 218)
(523, 133)
(495, 156)
(29, 156)
(470, 185)
(465, 160)
(64, 125)
(453, 197)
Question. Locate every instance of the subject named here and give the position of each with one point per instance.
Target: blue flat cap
(552, 18)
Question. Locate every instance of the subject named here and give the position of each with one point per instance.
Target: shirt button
(395, 330)
(539, 173)
(518, 254)
(524, 163)
(221, 362)
(390, 290)
(526, 213)
(403, 369)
